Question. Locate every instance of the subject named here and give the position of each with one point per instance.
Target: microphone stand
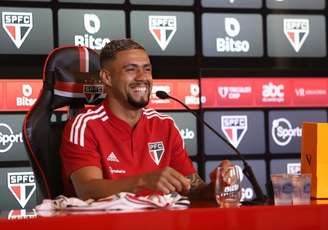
(247, 170)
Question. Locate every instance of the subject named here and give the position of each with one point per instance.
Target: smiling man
(121, 146)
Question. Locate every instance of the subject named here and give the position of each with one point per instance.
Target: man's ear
(105, 77)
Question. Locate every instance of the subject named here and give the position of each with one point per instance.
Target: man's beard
(138, 104)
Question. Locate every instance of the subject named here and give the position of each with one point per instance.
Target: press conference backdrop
(257, 66)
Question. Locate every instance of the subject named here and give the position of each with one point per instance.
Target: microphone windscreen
(162, 94)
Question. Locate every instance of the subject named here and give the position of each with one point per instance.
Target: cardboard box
(314, 157)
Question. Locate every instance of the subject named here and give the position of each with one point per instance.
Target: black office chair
(70, 80)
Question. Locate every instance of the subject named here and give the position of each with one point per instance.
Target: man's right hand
(165, 180)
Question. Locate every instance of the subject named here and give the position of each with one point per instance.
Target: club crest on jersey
(296, 31)
(22, 186)
(163, 29)
(93, 92)
(17, 25)
(156, 151)
(234, 128)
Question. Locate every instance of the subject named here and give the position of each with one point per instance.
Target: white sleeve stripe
(77, 127)
(77, 122)
(85, 124)
(156, 115)
(104, 118)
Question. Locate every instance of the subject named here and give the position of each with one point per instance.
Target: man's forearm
(199, 190)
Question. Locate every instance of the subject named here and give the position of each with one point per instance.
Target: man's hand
(165, 180)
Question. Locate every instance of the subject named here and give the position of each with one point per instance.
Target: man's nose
(142, 75)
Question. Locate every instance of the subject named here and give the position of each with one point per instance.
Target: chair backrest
(70, 80)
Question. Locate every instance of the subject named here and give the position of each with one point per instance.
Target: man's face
(131, 78)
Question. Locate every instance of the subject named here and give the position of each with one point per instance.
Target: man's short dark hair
(110, 50)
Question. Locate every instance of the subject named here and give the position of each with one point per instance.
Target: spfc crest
(163, 29)
(93, 92)
(296, 31)
(22, 186)
(156, 151)
(234, 128)
(18, 214)
(17, 25)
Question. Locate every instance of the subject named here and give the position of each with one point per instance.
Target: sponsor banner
(296, 35)
(310, 92)
(96, 1)
(258, 167)
(285, 128)
(240, 128)
(187, 125)
(11, 138)
(21, 94)
(232, 3)
(164, 33)
(234, 35)
(17, 189)
(296, 4)
(2, 95)
(26, 31)
(91, 28)
(290, 166)
(166, 2)
(185, 90)
(227, 92)
(273, 92)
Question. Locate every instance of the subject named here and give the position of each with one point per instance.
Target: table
(201, 216)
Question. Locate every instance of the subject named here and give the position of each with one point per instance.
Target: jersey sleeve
(180, 160)
(78, 149)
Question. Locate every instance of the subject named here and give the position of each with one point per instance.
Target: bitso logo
(282, 131)
(25, 100)
(22, 186)
(229, 44)
(163, 29)
(156, 151)
(296, 31)
(92, 25)
(193, 99)
(17, 25)
(8, 138)
(234, 128)
(273, 93)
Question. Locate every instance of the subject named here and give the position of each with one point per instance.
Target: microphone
(247, 170)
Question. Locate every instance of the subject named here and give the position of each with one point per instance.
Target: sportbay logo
(273, 93)
(25, 100)
(93, 92)
(234, 128)
(156, 151)
(92, 25)
(162, 28)
(296, 31)
(8, 138)
(22, 186)
(17, 25)
(282, 131)
(233, 92)
(228, 44)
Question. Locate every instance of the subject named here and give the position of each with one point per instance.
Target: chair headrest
(71, 73)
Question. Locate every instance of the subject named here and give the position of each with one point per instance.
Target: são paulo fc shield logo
(163, 29)
(22, 186)
(234, 128)
(93, 92)
(296, 31)
(17, 25)
(156, 151)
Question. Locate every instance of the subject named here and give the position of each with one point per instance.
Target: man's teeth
(140, 89)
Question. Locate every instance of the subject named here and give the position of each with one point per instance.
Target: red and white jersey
(96, 137)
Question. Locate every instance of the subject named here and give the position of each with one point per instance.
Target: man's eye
(130, 69)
